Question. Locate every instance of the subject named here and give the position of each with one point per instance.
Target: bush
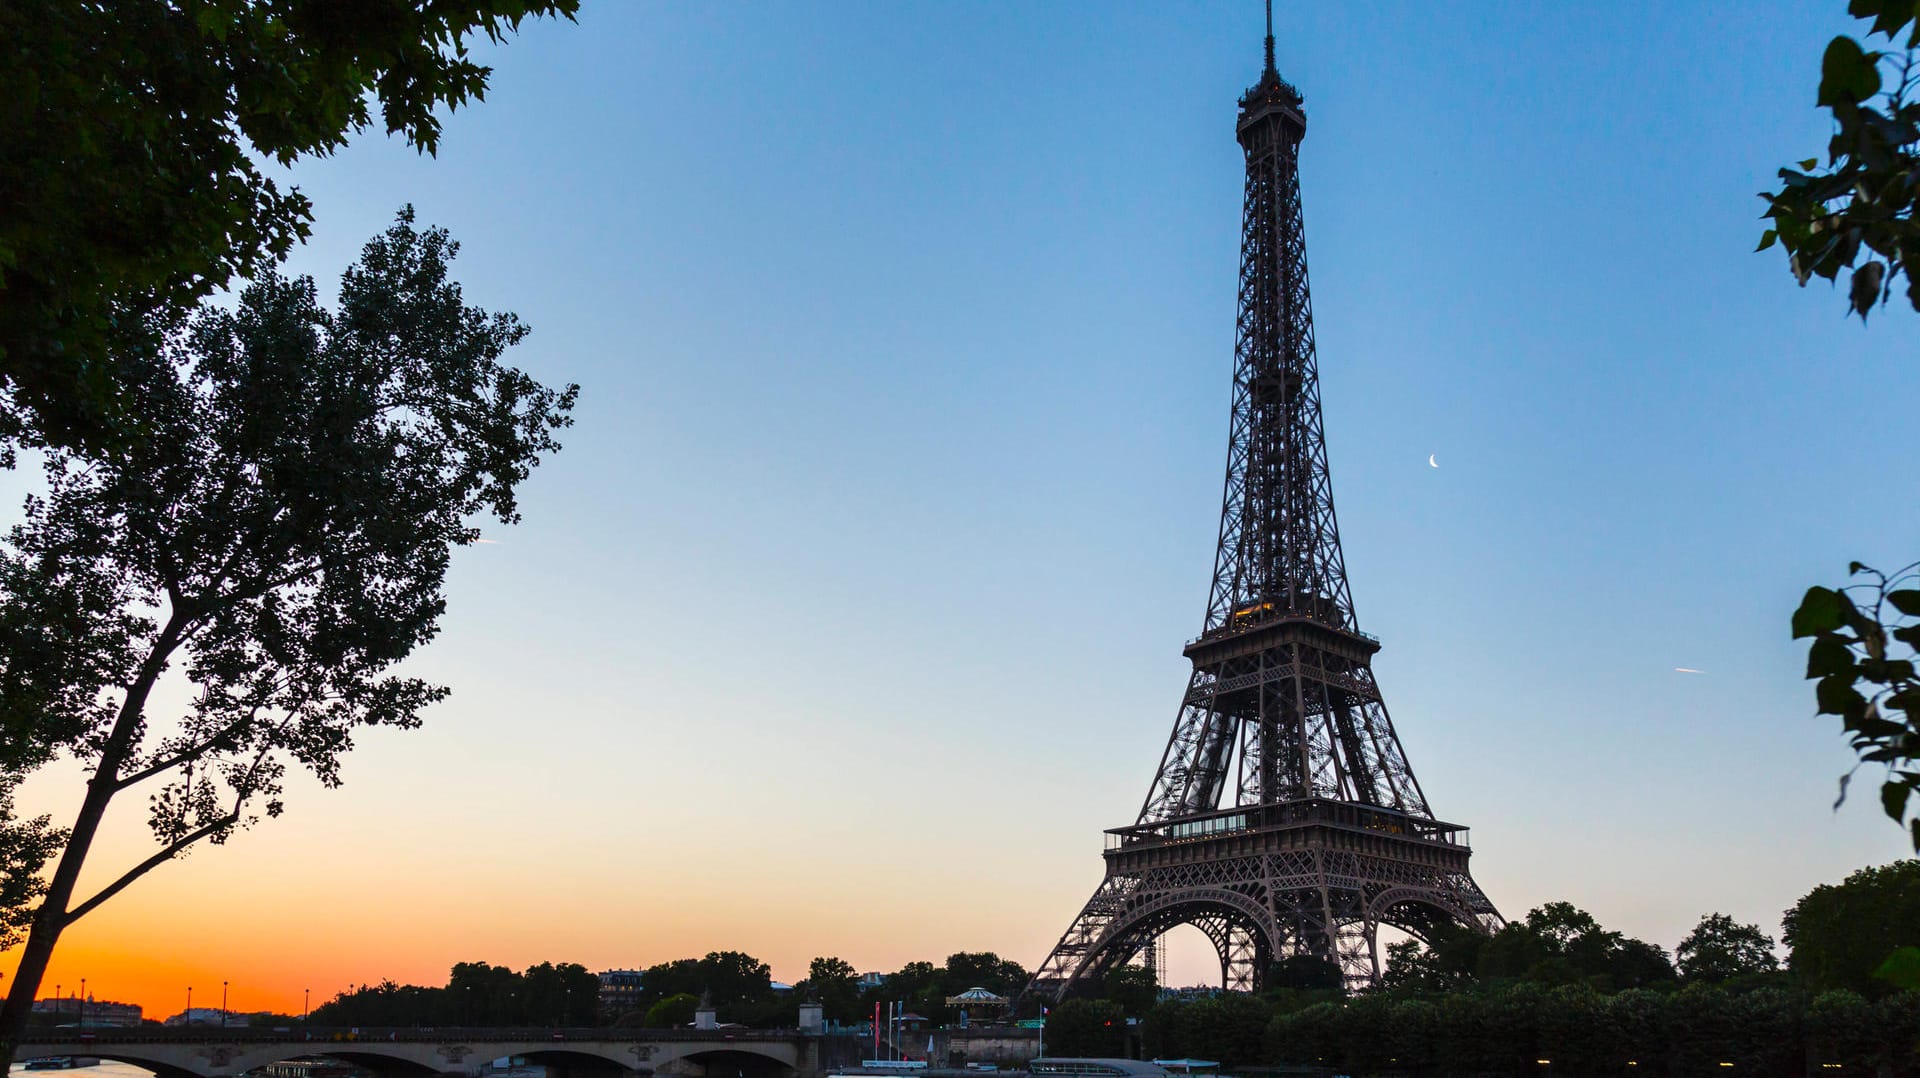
(675, 1010)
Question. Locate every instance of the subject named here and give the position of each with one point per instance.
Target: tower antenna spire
(1270, 67)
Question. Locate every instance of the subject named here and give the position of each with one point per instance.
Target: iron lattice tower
(1284, 821)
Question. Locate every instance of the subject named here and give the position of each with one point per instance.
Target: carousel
(979, 1007)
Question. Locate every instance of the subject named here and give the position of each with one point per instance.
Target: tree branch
(242, 793)
(195, 752)
(165, 854)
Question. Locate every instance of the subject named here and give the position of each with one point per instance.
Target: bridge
(450, 1053)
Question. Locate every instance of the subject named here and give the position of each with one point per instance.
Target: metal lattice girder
(1284, 819)
(1317, 898)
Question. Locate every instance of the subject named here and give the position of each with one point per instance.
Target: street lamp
(56, 1003)
(187, 1020)
(83, 1003)
(223, 1004)
(305, 999)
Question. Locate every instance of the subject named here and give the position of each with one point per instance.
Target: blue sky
(853, 609)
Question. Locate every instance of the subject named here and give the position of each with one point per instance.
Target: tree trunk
(26, 983)
(51, 919)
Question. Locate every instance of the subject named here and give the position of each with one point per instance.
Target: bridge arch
(117, 1054)
(171, 1061)
(400, 1059)
(461, 1053)
(737, 1061)
(369, 1057)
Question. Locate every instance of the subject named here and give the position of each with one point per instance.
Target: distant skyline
(852, 611)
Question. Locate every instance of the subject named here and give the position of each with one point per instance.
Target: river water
(107, 1069)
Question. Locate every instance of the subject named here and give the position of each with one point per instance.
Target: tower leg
(1077, 946)
(1238, 966)
(1359, 955)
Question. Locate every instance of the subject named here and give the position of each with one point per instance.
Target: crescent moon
(1432, 463)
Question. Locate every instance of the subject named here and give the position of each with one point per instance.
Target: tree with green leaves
(476, 994)
(1758, 1032)
(738, 983)
(1555, 944)
(1165, 1032)
(1135, 988)
(1087, 1027)
(1559, 943)
(1862, 659)
(280, 543)
(1839, 935)
(1856, 213)
(26, 845)
(1526, 1028)
(672, 1012)
(134, 135)
(735, 977)
(1720, 949)
(484, 995)
(1230, 1026)
(1447, 959)
(982, 969)
(1306, 971)
(1860, 202)
(563, 994)
(834, 984)
(924, 987)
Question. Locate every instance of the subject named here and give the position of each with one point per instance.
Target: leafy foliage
(1720, 949)
(1548, 988)
(25, 847)
(279, 544)
(1305, 971)
(672, 1012)
(476, 994)
(1840, 934)
(1557, 943)
(1449, 959)
(834, 984)
(1510, 1030)
(1134, 988)
(1862, 201)
(132, 132)
(733, 980)
(1087, 1027)
(1864, 1036)
(924, 987)
(285, 539)
(1865, 638)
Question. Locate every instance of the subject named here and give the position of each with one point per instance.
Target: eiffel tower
(1284, 822)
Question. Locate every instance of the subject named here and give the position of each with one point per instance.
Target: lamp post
(83, 1003)
(306, 997)
(223, 1004)
(56, 1003)
(187, 1019)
